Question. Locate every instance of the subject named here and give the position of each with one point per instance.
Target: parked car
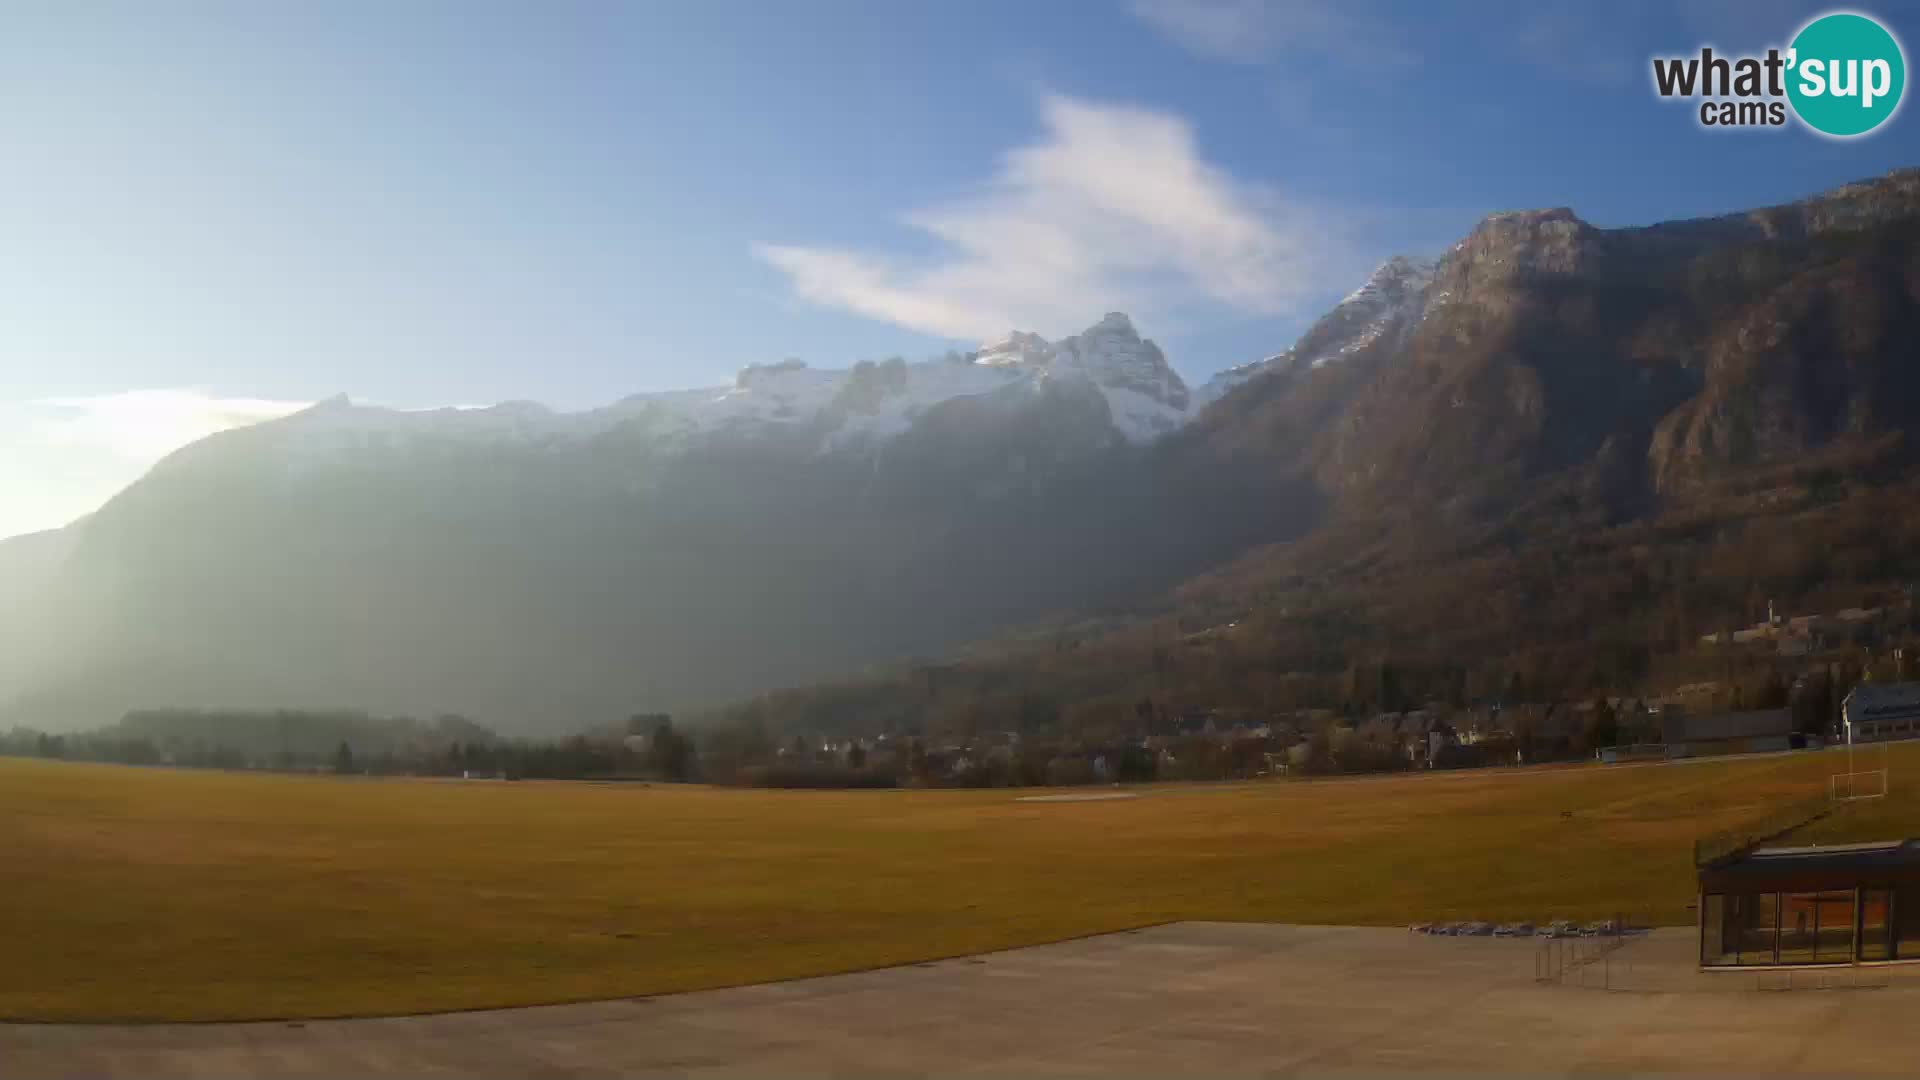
(1447, 929)
(1476, 929)
(1420, 928)
(1560, 928)
(1599, 928)
(1513, 929)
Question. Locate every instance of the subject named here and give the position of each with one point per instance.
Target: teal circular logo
(1846, 74)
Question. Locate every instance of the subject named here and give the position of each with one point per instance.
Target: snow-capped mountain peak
(1115, 354)
(871, 403)
(1145, 397)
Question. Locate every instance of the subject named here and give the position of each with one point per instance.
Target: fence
(1728, 842)
(1653, 966)
(1634, 752)
(1584, 961)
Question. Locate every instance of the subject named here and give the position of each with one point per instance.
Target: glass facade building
(1844, 904)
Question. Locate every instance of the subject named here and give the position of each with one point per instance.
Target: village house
(1423, 734)
(1801, 634)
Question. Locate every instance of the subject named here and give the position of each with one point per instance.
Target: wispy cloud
(1112, 208)
(63, 457)
(1256, 31)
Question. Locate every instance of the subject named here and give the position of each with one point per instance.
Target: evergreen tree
(671, 752)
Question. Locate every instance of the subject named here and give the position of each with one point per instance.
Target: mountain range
(1540, 383)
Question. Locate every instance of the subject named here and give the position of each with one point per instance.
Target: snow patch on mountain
(1217, 387)
(879, 402)
(867, 404)
(1393, 299)
(1020, 349)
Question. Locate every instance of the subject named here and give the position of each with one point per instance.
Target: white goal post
(1857, 783)
(1847, 786)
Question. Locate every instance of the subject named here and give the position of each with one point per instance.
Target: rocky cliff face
(1464, 394)
(1703, 349)
(1508, 248)
(1854, 207)
(1818, 360)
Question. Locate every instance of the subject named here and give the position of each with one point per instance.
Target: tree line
(647, 746)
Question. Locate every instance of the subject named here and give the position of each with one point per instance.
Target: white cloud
(1256, 31)
(64, 457)
(1113, 208)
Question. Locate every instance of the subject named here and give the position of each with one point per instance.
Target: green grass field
(158, 894)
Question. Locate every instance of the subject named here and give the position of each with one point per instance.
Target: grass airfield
(156, 894)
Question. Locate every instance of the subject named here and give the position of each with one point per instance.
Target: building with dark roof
(1838, 904)
(1876, 712)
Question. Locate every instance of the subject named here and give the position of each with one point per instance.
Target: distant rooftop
(1827, 866)
(1871, 697)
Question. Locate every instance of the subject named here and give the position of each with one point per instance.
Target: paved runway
(1209, 997)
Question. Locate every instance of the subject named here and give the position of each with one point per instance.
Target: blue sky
(213, 213)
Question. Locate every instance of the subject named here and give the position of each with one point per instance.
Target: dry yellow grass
(156, 894)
